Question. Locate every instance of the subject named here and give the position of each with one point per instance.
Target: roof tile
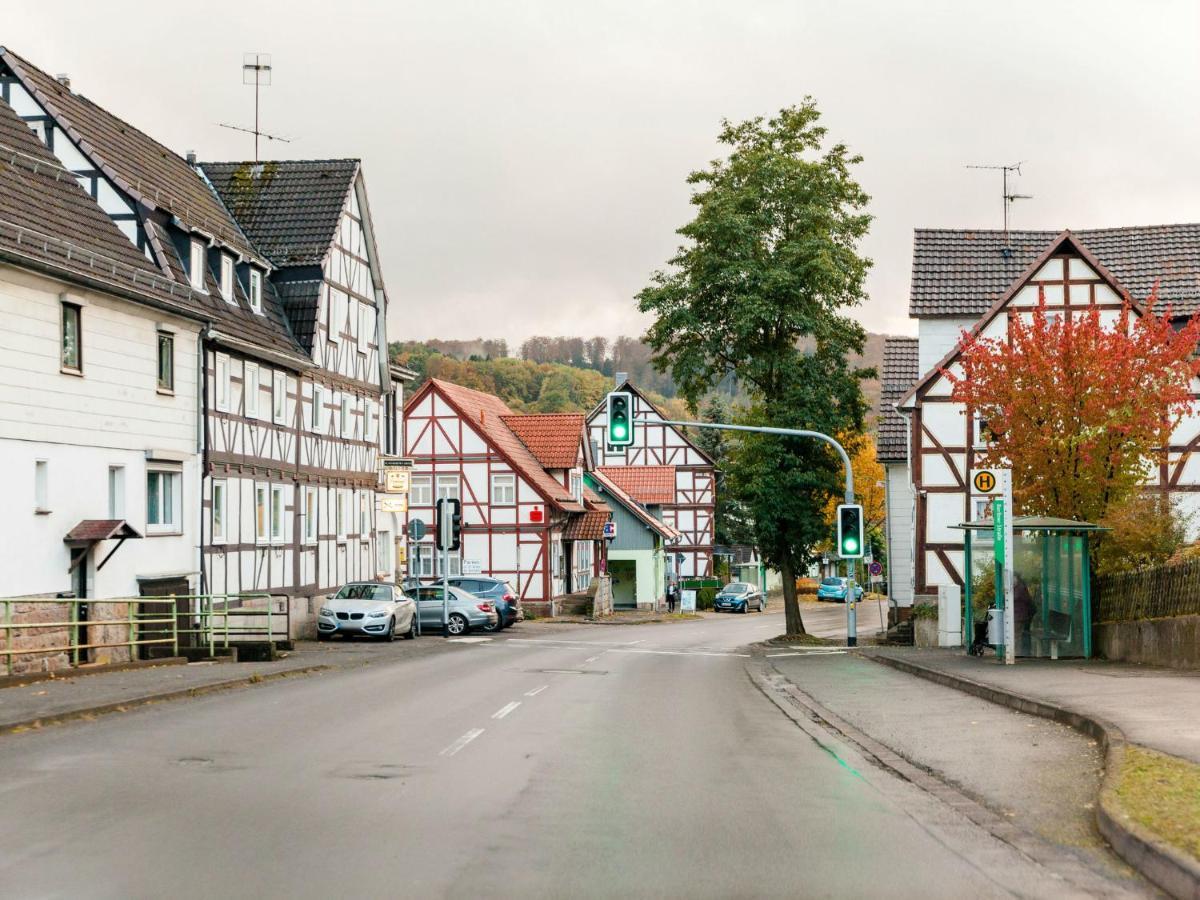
(554, 438)
(900, 372)
(648, 485)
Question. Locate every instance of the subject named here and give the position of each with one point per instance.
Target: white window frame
(383, 544)
(220, 509)
(227, 279)
(370, 421)
(116, 492)
(278, 513)
(422, 561)
(576, 479)
(221, 387)
(279, 396)
(256, 290)
(345, 417)
(169, 479)
(340, 511)
(504, 484)
(197, 265)
(41, 486)
(250, 389)
(316, 409)
(310, 515)
(444, 483)
(364, 517)
(364, 327)
(420, 490)
(164, 340)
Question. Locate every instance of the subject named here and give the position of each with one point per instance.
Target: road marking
(462, 742)
(504, 711)
(536, 691)
(675, 652)
(592, 658)
(467, 640)
(573, 642)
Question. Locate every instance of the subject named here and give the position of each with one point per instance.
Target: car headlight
(377, 615)
(326, 611)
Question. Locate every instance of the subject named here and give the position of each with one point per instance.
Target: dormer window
(256, 290)
(227, 277)
(196, 265)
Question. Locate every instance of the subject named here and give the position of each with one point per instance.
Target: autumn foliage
(1079, 408)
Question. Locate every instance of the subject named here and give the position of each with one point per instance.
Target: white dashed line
(462, 742)
(536, 691)
(505, 710)
(591, 659)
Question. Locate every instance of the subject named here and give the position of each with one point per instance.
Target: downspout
(201, 446)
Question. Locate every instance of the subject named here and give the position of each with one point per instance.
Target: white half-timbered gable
(999, 280)
(520, 519)
(659, 444)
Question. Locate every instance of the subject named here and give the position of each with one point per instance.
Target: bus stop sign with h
(997, 483)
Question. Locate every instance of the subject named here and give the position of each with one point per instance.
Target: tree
(597, 352)
(768, 264)
(1079, 410)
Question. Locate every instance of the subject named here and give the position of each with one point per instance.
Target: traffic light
(850, 531)
(620, 419)
(449, 524)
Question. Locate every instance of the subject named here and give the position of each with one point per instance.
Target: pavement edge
(1168, 868)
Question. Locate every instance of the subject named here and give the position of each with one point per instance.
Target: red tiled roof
(587, 527)
(553, 438)
(649, 485)
(100, 530)
(669, 534)
(487, 413)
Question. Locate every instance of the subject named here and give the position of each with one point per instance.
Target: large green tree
(768, 265)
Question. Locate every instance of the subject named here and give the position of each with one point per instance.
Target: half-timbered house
(979, 281)
(526, 518)
(656, 444)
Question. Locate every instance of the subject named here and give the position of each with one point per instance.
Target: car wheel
(498, 626)
(761, 606)
(458, 624)
(412, 628)
(390, 634)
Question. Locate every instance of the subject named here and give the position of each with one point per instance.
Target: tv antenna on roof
(1008, 197)
(256, 70)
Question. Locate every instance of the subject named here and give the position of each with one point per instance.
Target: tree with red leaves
(1081, 412)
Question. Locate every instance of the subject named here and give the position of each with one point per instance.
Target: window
(427, 563)
(166, 362)
(116, 492)
(72, 337)
(346, 422)
(340, 514)
(256, 290)
(556, 555)
(162, 501)
(353, 314)
(262, 514)
(364, 516)
(316, 411)
(250, 390)
(420, 491)
(577, 485)
(279, 397)
(447, 487)
(383, 540)
(310, 515)
(222, 386)
(227, 277)
(370, 421)
(218, 512)
(41, 486)
(196, 265)
(277, 514)
(364, 327)
(504, 490)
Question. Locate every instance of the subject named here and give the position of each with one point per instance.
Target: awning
(91, 531)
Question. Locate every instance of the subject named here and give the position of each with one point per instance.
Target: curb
(7, 681)
(1167, 867)
(162, 697)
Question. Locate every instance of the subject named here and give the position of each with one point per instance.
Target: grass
(1162, 793)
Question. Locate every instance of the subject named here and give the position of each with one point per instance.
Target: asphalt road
(559, 762)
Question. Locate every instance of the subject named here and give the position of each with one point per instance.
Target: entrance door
(79, 584)
(160, 614)
(624, 583)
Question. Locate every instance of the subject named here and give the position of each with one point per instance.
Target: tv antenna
(256, 70)
(1007, 195)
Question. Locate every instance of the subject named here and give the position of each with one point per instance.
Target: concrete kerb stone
(161, 697)
(70, 674)
(1170, 869)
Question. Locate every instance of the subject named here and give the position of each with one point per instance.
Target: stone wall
(602, 603)
(1173, 641)
(109, 625)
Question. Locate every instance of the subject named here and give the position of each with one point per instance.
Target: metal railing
(224, 619)
(1157, 592)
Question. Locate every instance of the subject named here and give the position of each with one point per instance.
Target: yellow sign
(401, 553)
(396, 479)
(985, 482)
(393, 503)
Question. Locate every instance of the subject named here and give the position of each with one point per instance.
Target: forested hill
(565, 374)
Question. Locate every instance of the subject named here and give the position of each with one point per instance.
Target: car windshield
(736, 588)
(364, 592)
(833, 582)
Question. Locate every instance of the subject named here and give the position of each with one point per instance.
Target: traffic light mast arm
(762, 429)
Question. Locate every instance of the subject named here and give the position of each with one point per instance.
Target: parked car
(368, 608)
(467, 611)
(834, 588)
(740, 597)
(499, 592)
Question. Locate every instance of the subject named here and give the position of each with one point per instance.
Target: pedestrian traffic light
(620, 419)
(849, 531)
(449, 524)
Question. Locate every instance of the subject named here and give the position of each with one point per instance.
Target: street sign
(472, 567)
(876, 569)
(997, 484)
(988, 481)
(416, 529)
(393, 503)
(610, 530)
(396, 479)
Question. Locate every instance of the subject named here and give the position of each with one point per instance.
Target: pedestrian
(671, 597)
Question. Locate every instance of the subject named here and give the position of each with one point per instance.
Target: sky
(526, 161)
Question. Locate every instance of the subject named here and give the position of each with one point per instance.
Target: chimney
(191, 157)
(64, 79)
(622, 377)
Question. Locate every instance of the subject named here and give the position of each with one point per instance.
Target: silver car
(368, 608)
(466, 610)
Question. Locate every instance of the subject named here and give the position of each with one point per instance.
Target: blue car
(834, 588)
(739, 597)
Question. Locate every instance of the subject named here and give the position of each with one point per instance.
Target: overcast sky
(525, 161)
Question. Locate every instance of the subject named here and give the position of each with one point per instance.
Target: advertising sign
(393, 503)
(687, 602)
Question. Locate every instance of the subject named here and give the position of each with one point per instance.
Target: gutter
(296, 363)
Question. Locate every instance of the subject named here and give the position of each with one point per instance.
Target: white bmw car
(368, 608)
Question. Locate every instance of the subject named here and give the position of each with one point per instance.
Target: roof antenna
(1008, 197)
(256, 70)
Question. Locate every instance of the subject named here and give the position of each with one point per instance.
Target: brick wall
(109, 625)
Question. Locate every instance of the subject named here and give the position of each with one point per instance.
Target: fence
(1160, 592)
(56, 632)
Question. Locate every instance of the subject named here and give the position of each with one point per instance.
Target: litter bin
(995, 626)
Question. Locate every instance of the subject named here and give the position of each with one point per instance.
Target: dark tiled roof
(962, 273)
(554, 438)
(100, 530)
(900, 372)
(301, 300)
(289, 208)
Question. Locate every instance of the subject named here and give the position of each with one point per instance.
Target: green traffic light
(618, 430)
(850, 545)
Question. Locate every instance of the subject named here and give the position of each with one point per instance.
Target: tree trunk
(791, 605)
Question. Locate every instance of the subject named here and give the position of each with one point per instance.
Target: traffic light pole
(851, 612)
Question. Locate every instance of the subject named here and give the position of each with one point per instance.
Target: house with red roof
(640, 550)
(527, 516)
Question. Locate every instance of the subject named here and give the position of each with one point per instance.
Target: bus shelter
(1052, 597)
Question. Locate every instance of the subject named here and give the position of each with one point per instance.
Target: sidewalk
(1156, 708)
